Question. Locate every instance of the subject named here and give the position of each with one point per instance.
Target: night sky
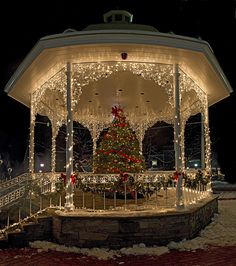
(23, 23)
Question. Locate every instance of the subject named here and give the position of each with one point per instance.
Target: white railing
(47, 183)
(12, 196)
(45, 180)
(46, 175)
(47, 187)
(147, 177)
(192, 196)
(14, 181)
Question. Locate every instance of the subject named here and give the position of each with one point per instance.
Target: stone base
(122, 229)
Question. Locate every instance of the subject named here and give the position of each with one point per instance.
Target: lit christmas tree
(118, 151)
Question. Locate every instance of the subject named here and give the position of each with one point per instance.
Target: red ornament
(107, 136)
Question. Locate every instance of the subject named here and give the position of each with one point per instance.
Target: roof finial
(118, 16)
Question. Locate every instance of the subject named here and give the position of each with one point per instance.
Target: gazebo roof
(105, 43)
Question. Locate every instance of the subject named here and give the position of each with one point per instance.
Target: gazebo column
(182, 144)
(69, 204)
(177, 136)
(206, 143)
(140, 133)
(31, 142)
(207, 139)
(94, 146)
(203, 166)
(94, 138)
(53, 154)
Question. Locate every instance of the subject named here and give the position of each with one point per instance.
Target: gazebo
(154, 76)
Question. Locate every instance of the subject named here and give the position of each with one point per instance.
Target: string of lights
(54, 91)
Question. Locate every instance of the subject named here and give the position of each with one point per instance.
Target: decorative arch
(84, 73)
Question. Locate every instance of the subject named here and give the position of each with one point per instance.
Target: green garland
(200, 178)
(144, 188)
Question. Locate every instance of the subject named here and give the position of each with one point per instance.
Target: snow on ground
(100, 253)
(220, 232)
(227, 195)
(218, 185)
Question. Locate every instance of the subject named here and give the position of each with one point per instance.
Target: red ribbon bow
(176, 175)
(72, 178)
(124, 177)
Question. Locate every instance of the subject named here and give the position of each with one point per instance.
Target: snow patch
(100, 253)
(220, 232)
(141, 249)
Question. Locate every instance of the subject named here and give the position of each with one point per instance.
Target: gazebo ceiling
(51, 53)
(143, 100)
(125, 88)
(135, 94)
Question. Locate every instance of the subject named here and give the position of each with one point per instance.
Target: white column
(53, 154)
(182, 144)
(53, 162)
(31, 142)
(69, 204)
(202, 142)
(140, 135)
(94, 134)
(207, 140)
(177, 139)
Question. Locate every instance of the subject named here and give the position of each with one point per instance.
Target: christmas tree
(118, 151)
